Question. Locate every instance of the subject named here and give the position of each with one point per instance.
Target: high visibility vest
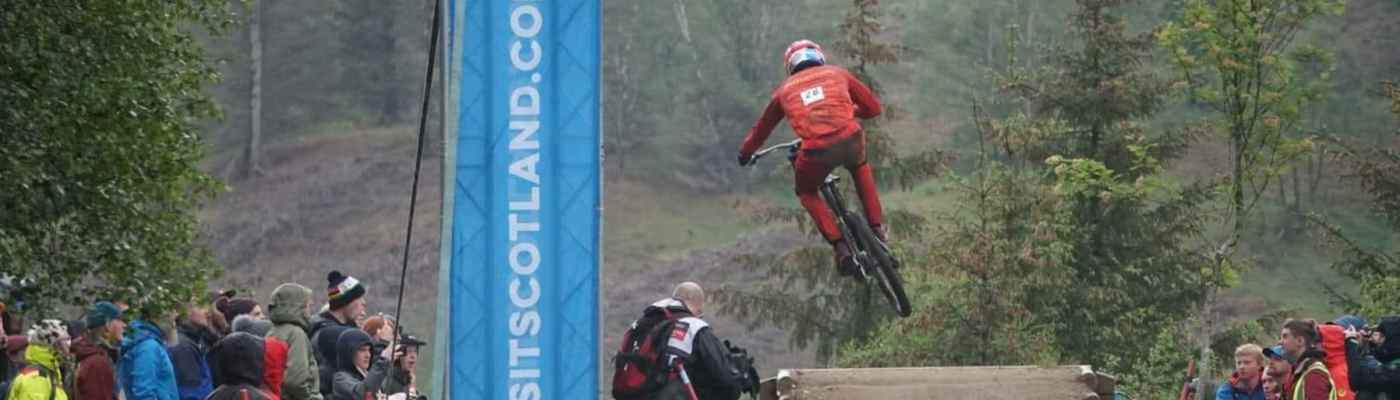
(1317, 366)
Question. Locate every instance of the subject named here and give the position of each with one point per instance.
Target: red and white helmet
(803, 52)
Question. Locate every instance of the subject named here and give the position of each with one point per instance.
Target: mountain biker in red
(821, 103)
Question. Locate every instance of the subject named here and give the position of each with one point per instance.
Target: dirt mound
(330, 202)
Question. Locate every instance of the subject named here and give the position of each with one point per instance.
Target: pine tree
(1072, 240)
(1378, 271)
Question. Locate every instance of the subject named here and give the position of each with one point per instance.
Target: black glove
(745, 159)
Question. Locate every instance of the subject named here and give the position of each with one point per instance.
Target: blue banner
(518, 294)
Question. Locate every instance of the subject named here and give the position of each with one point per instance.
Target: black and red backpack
(639, 367)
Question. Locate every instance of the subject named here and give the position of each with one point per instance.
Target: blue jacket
(145, 372)
(1227, 390)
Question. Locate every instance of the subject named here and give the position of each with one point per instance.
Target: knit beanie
(343, 290)
(233, 307)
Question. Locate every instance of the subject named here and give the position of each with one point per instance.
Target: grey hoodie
(350, 383)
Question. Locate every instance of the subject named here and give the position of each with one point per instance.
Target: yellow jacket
(34, 383)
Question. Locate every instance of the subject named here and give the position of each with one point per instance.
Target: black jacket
(1382, 378)
(325, 331)
(189, 356)
(711, 371)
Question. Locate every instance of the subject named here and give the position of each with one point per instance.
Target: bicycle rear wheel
(890, 283)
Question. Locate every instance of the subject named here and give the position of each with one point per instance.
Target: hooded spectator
(238, 368)
(41, 378)
(290, 312)
(274, 351)
(145, 371)
(96, 373)
(356, 374)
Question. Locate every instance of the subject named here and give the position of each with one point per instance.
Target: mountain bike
(871, 255)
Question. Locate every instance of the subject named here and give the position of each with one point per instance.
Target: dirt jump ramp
(1021, 382)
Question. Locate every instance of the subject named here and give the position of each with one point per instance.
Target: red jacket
(274, 364)
(820, 103)
(95, 378)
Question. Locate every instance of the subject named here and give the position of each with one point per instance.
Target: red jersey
(821, 104)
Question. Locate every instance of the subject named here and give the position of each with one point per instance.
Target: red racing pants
(814, 164)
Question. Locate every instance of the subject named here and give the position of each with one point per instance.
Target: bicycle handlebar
(788, 145)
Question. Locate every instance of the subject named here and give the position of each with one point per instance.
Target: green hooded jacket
(290, 323)
(34, 384)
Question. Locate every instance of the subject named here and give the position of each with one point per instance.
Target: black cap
(412, 341)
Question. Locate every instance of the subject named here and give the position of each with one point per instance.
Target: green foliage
(989, 264)
(1068, 242)
(1238, 58)
(1160, 374)
(1377, 271)
(100, 150)
(1131, 229)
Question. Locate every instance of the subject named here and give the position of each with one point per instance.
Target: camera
(745, 364)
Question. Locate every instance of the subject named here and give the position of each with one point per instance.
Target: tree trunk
(1029, 43)
(1295, 221)
(1284, 220)
(991, 31)
(254, 167)
(391, 104)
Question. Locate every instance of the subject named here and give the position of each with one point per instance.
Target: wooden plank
(939, 383)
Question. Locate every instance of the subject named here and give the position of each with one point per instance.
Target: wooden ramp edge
(1074, 382)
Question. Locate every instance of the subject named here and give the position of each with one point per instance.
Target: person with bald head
(692, 344)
